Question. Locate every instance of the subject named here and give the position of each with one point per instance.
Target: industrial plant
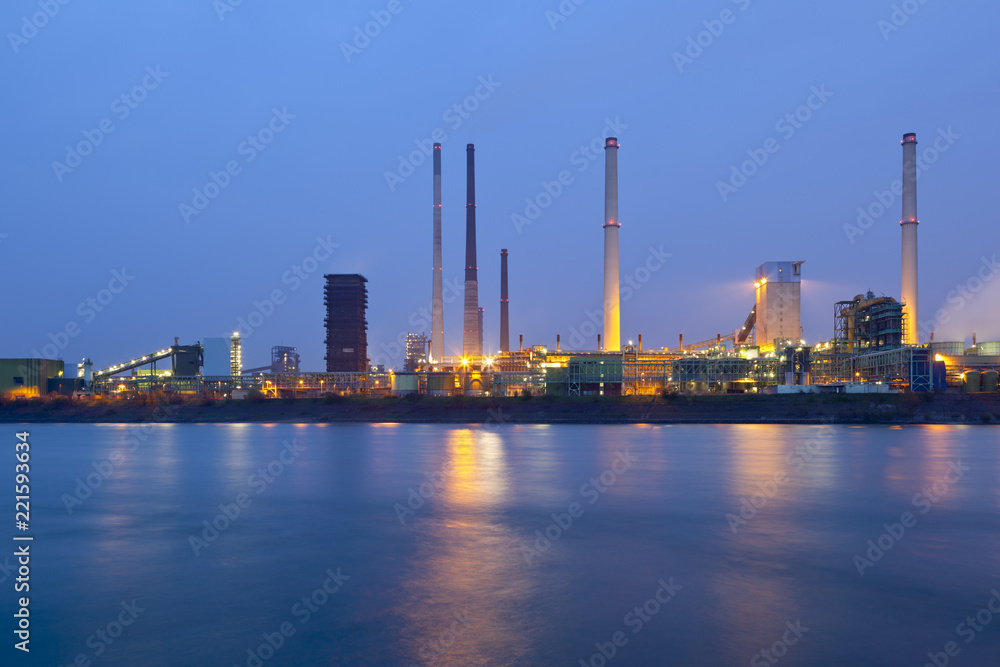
(875, 346)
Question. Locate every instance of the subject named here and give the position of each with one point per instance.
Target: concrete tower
(437, 298)
(908, 292)
(471, 340)
(612, 304)
(779, 302)
(504, 315)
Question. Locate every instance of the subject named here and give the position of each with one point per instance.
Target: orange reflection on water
(469, 561)
(758, 454)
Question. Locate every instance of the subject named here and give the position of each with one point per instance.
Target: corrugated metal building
(28, 377)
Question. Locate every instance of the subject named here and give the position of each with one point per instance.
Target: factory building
(284, 359)
(346, 300)
(416, 351)
(218, 357)
(187, 360)
(868, 323)
(779, 302)
(873, 349)
(26, 378)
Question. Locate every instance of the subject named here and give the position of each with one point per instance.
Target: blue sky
(325, 115)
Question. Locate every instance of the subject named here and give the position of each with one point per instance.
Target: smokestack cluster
(908, 291)
(471, 340)
(437, 298)
(612, 313)
(504, 315)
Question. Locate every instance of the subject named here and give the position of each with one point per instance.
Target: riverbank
(672, 409)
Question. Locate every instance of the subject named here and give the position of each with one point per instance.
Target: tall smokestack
(612, 313)
(908, 292)
(471, 341)
(504, 314)
(437, 298)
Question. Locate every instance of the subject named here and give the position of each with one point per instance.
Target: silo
(972, 381)
(440, 384)
(404, 383)
(991, 349)
(990, 381)
(948, 348)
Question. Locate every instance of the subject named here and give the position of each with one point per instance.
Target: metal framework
(908, 367)
(188, 384)
(512, 383)
(273, 385)
(150, 359)
(869, 323)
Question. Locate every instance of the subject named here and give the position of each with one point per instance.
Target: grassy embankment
(670, 408)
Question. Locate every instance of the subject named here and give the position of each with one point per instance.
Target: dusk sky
(323, 133)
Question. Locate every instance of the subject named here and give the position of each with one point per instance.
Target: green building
(28, 377)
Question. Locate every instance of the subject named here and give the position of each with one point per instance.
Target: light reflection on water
(452, 586)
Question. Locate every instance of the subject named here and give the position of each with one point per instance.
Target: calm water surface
(433, 541)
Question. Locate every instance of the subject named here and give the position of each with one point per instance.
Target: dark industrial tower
(346, 299)
(472, 345)
(504, 315)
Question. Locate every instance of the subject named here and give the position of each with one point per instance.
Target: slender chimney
(504, 314)
(932, 336)
(599, 348)
(479, 314)
(682, 342)
(908, 293)
(430, 351)
(612, 313)
(558, 343)
(522, 342)
(640, 342)
(471, 346)
(437, 298)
